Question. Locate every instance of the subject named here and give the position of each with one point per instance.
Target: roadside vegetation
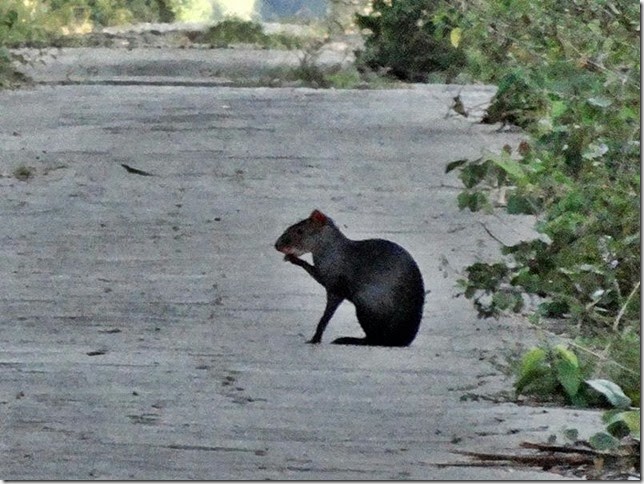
(568, 74)
(40, 23)
(79, 23)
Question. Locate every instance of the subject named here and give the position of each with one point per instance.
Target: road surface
(149, 330)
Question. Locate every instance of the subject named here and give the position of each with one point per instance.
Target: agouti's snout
(279, 245)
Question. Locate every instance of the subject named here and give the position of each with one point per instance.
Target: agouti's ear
(318, 217)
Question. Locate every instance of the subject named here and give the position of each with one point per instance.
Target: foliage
(550, 371)
(622, 423)
(348, 78)
(23, 22)
(19, 21)
(232, 31)
(546, 371)
(9, 77)
(568, 73)
(622, 362)
(409, 39)
(612, 392)
(192, 10)
(41, 22)
(109, 12)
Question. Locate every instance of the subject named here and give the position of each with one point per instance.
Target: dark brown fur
(379, 277)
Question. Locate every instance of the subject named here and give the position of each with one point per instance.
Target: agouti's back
(378, 276)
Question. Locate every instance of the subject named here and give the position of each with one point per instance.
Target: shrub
(410, 39)
(568, 72)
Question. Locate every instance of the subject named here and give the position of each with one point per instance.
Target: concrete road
(149, 330)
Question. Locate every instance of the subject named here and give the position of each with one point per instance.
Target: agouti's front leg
(332, 299)
(332, 303)
(312, 270)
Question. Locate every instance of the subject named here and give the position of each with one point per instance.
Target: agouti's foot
(313, 341)
(347, 340)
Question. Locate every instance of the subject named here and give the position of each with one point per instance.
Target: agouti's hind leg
(348, 340)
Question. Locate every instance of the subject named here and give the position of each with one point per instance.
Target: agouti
(379, 277)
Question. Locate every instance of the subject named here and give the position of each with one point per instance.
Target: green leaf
(558, 108)
(571, 434)
(611, 391)
(618, 429)
(537, 375)
(506, 82)
(633, 419)
(565, 354)
(486, 276)
(519, 205)
(603, 441)
(473, 174)
(532, 367)
(474, 201)
(568, 376)
(511, 167)
(455, 36)
(554, 309)
(568, 373)
(452, 165)
(533, 358)
(503, 300)
(463, 199)
(624, 423)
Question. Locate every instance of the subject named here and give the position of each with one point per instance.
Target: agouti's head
(302, 237)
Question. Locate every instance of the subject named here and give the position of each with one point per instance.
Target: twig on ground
(136, 171)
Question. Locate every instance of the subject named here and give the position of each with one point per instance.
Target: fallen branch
(532, 460)
(578, 457)
(564, 449)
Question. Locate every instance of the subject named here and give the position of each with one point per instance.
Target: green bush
(234, 31)
(410, 39)
(21, 22)
(568, 72)
(580, 171)
(41, 22)
(115, 12)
